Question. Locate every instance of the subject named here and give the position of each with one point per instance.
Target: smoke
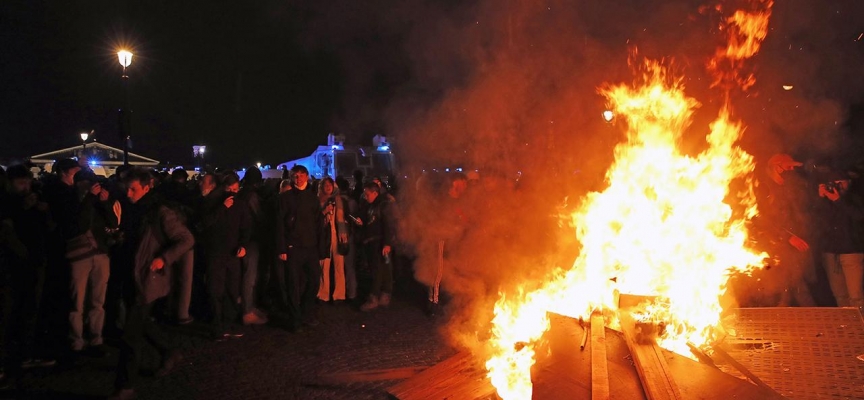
(815, 49)
(509, 88)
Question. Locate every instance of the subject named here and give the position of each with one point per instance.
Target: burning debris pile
(666, 226)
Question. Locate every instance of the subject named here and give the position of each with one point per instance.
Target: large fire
(663, 227)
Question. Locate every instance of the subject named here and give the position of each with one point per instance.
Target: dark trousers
(382, 273)
(139, 327)
(302, 277)
(20, 309)
(223, 286)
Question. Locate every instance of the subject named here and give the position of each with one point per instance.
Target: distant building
(101, 157)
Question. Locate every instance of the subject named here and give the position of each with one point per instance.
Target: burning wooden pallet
(563, 371)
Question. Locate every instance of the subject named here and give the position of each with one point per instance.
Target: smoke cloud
(509, 88)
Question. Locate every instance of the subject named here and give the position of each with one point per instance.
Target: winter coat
(378, 223)
(162, 235)
(299, 220)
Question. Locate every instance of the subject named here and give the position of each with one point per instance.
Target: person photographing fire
(784, 227)
(840, 213)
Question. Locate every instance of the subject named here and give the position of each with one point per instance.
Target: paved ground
(268, 362)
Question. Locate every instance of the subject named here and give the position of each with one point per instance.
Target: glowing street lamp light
(125, 58)
(84, 136)
(258, 164)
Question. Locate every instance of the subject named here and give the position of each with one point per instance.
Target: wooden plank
(368, 376)
(564, 372)
(650, 361)
(458, 377)
(599, 371)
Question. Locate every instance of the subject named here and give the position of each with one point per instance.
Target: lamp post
(84, 136)
(125, 58)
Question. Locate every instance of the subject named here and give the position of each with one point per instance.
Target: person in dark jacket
(22, 251)
(250, 196)
(298, 228)
(157, 239)
(840, 214)
(82, 220)
(377, 238)
(785, 228)
(225, 234)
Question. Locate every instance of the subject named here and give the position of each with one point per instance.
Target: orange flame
(745, 33)
(663, 227)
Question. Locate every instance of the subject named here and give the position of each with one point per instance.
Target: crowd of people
(86, 257)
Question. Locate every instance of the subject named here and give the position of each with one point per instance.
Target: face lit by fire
(135, 191)
(370, 195)
(208, 184)
(780, 163)
(233, 188)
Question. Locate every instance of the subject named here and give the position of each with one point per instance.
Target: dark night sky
(235, 76)
(267, 80)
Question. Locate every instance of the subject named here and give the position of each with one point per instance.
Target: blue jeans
(845, 274)
(250, 276)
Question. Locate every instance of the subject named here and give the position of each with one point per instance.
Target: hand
(343, 238)
(241, 252)
(798, 243)
(329, 209)
(386, 251)
(832, 195)
(157, 264)
(228, 202)
(103, 195)
(95, 189)
(358, 221)
(283, 257)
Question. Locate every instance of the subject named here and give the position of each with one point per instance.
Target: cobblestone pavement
(267, 363)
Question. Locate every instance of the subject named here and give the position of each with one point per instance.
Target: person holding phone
(225, 235)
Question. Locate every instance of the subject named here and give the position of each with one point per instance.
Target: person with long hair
(334, 232)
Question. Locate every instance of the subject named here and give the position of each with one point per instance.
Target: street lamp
(84, 136)
(125, 58)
